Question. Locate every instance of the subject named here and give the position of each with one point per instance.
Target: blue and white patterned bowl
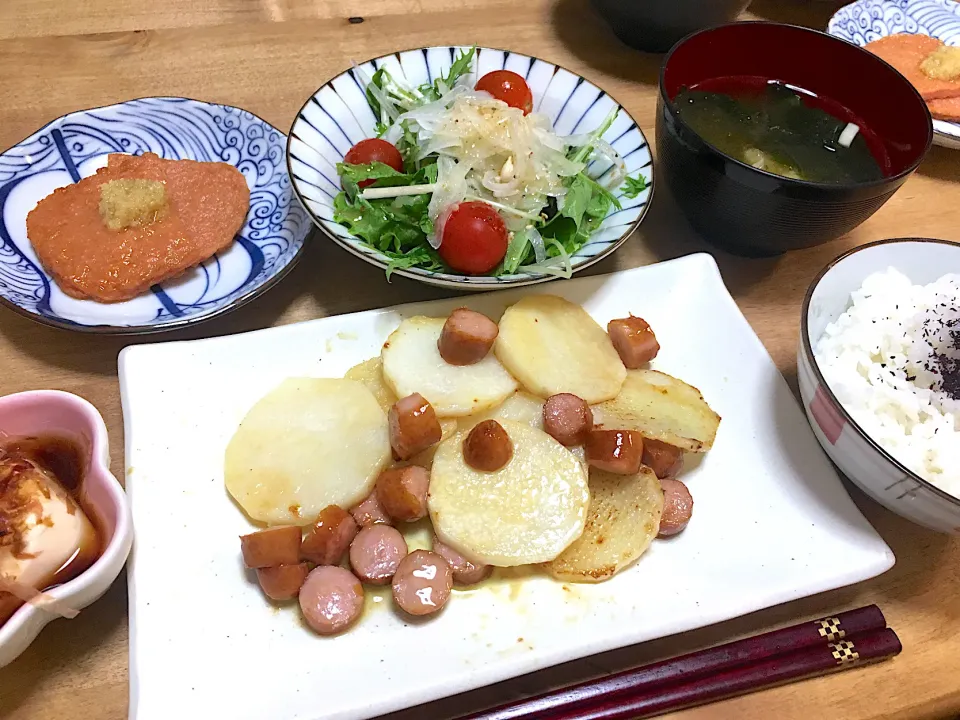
(77, 145)
(337, 117)
(867, 20)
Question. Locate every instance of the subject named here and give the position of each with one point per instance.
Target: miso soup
(784, 130)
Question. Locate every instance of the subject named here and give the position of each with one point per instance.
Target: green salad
(463, 177)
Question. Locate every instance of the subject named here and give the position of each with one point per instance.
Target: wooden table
(268, 56)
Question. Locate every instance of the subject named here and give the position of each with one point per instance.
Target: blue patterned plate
(337, 117)
(867, 20)
(77, 145)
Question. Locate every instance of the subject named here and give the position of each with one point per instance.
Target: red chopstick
(687, 668)
(810, 662)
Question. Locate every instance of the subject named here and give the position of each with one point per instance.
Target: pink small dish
(51, 412)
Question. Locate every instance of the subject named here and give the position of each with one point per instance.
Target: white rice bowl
(878, 358)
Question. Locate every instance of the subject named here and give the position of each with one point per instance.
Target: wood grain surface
(268, 56)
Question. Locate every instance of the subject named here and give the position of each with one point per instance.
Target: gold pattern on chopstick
(844, 652)
(830, 629)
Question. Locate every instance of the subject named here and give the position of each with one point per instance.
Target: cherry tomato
(374, 150)
(474, 238)
(509, 87)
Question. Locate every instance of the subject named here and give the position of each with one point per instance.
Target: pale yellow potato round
(370, 373)
(309, 443)
(526, 512)
(412, 364)
(661, 407)
(553, 346)
(623, 520)
(519, 407)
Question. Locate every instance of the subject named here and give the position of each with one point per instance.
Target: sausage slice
(331, 599)
(615, 451)
(487, 447)
(422, 583)
(271, 547)
(330, 537)
(413, 426)
(664, 459)
(376, 552)
(402, 492)
(467, 337)
(370, 512)
(677, 507)
(634, 341)
(464, 571)
(282, 582)
(567, 418)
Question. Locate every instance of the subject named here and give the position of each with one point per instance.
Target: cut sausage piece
(330, 537)
(376, 552)
(664, 459)
(413, 426)
(615, 451)
(331, 599)
(467, 337)
(677, 507)
(422, 583)
(271, 547)
(567, 418)
(282, 582)
(487, 447)
(402, 492)
(370, 512)
(464, 571)
(633, 340)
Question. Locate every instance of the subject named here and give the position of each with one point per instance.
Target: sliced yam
(553, 346)
(907, 52)
(528, 511)
(370, 373)
(623, 520)
(412, 364)
(945, 109)
(519, 407)
(663, 408)
(310, 443)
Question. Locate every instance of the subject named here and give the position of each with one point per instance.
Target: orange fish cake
(907, 53)
(945, 109)
(137, 222)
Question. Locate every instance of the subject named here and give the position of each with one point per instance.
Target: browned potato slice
(623, 519)
(663, 408)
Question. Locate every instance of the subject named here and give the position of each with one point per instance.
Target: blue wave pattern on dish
(338, 117)
(868, 20)
(174, 128)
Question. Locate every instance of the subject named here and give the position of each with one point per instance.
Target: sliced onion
(536, 241)
(619, 172)
(499, 189)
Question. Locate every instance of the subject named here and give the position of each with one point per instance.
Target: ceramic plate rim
(177, 323)
(448, 279)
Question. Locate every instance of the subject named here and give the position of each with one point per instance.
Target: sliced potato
(412, 363)
(529, 511)
(663, 408)
(309, 443)
(370, 373)
(623, 520)
(552, 346)
(519, 407)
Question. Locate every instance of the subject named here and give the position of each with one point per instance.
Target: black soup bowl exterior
(752, 212)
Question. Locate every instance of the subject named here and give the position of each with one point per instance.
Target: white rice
(877, 358)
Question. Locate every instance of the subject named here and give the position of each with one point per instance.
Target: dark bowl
(655, 25)
(753, 212)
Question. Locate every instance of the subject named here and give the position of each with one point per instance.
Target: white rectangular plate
(772, 522)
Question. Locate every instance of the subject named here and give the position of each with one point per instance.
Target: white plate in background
(772, 522)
